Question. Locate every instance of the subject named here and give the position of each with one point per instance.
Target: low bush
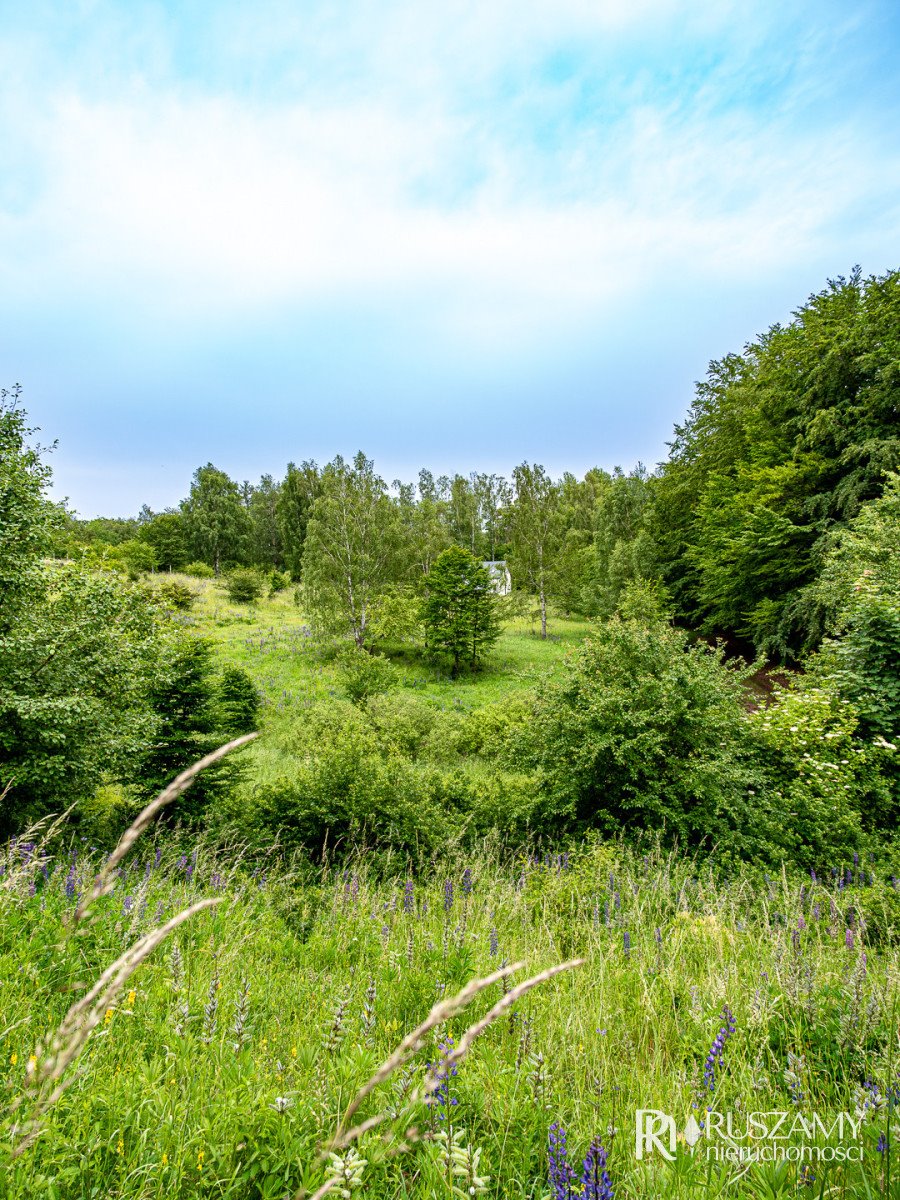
(200, 570)
(243, 586)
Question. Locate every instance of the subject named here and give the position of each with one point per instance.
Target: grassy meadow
(227, 1060)
(224, 1064)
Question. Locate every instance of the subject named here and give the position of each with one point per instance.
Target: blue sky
(454, 235)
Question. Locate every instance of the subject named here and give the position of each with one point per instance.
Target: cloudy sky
(452, 234)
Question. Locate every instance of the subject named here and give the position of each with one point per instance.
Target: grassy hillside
(228, 1057)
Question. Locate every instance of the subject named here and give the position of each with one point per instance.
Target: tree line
(783, 444)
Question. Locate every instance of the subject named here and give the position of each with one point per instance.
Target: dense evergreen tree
(459, 610)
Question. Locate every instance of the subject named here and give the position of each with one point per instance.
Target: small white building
(500, 576)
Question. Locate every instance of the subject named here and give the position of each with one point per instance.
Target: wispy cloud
(499, 176)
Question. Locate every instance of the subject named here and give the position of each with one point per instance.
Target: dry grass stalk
(47, 828)
(328, 1186)
(461, 1049)
(84, 1016)
(442, 1011)
(413, 1042)
(103, 883)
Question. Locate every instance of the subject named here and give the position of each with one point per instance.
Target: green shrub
(177, 594)
(278, 582)
(200, 570)
(646, 732)
(243, 586)
(402, 721)
(363, 674)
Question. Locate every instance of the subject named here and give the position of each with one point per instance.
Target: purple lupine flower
(617, 902)
(191, 867)
(448, 894)
(440, 1072)
(467, 881)
(182, 862)
(812, 875)
(882, 1145)
(70, 882)
(849, 939)
(595, 1181)
(561, 1174)
(128, 904)
(715, 1056)
(626, 943)
(658, 936)
(408, 897)
(817, 911)
(158, 857)
(216, 880)
(494, 942)
(606, 912)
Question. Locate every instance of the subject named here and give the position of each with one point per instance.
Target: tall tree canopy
(782, 445)
(215, 518)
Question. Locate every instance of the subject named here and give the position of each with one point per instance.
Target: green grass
(270, 640)
(171, 1100)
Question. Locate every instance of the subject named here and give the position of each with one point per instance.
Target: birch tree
(351, 550)
(534, 531)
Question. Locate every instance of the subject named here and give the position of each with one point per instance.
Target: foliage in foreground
(232, 1057)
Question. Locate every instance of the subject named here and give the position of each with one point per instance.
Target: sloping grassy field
(229, 1056)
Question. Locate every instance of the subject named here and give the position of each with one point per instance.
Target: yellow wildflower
(165, 1159)
(108, 1017)
(131, 997)
(14, 1058)
(120, 1148)
(200, 1157)
(293, 1051)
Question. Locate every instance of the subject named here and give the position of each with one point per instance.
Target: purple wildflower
(595, 1181)
(494, 942)
(467, 881)
(70, 883)
(408, 897)
(882, 1144)
(448, 894)
(626, 943)
(440, 1073)
(715, 1056)
(561, 1174)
